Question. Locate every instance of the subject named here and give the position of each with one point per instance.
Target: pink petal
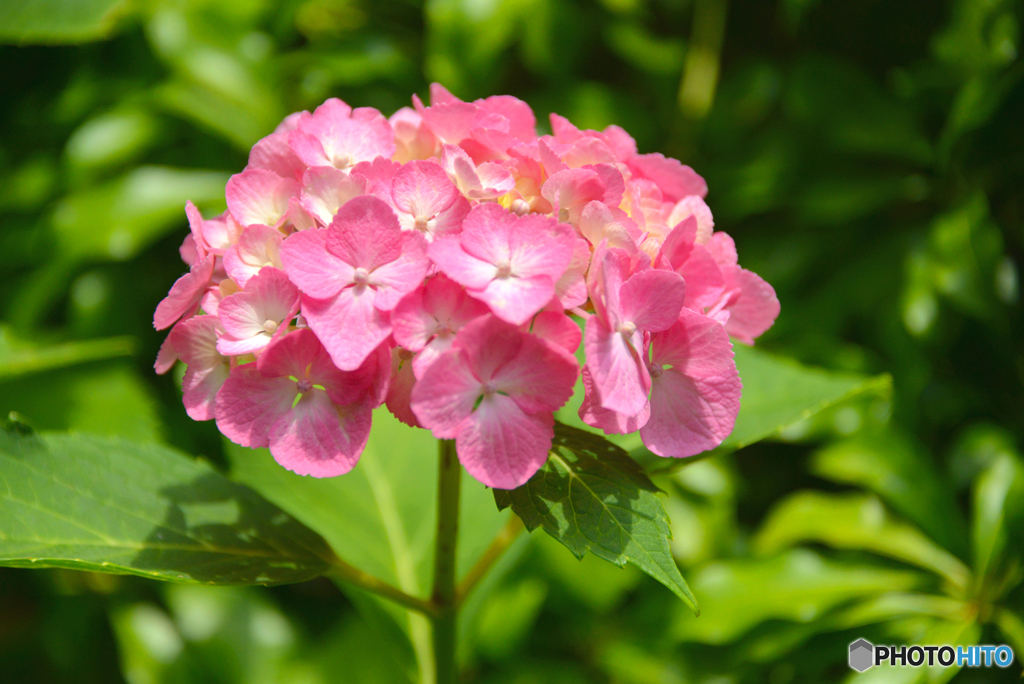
(365, 233)
(754, 309)
(539, 378)
(199, 390)
(269, 298)
(675, 180)
(274, 154)
(422, 188)
(326, 189)
(723, 249)
(259, 196)
(617, 367)
(705, 282)
(592, 413)
(516, 300)
(570, 190)
(694, 206)
(521, 121)
(465, 269)
(315, 271)
(444, 397)
(348, 325)
(696, 396)
(337, 135)
(319, 438)
(249, 403)
(400, 389)
(501, 446)
(651, 300)
(395, 279)
(558, 329)
(183, 299)
(290, 355)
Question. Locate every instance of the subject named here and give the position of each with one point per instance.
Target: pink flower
(325, 190)
(260, 196)
(352, 274)
(339, 136)
(413, 138)
(494, 392)
(569, 191)
(196, 343)
(183, 299)
(627, 305)
(484, 181)
(509, 262)
(675, 180)
(426, 321)
(426, 200)
(749, 300)
(257, 248)
(315, 418)
(251, 318)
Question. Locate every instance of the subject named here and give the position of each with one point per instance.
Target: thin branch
(343, 572)
(508, 534)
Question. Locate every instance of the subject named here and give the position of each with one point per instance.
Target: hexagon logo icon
(862, 655)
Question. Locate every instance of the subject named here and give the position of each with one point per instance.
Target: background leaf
(55, 21)
(88, 503)
(592, 497)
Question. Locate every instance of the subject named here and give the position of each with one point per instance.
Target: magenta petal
(695, 399)
(349, 325)
(617, 367)
(319, 438)
(250, 403)
(502, 446)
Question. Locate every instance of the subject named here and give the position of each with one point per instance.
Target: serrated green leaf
(858, 522)
(59, 21)
(108, 505)
(591, 496)
(797, 585)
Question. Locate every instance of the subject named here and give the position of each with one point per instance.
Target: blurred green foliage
(867, 156)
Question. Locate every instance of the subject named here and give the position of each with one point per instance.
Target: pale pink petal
(200, 387)
(337, 135)
(413, 139)
(423, 190)
(315, 271)
(274, 154)
(593, 414)
(675, 180)
(465, 269)
(258, 247)
(704, 278)
(167, 356)
(221, 233)
(349, 325)
(617, 366)
(753, 309)
(319, 438)
(694, 206)
(249, 403)
(723, 249)
(298, 218)
(696, 392)
(599, 223)
(195, 224)
(252, 317)
(326, 189)
(446, 393)
(651, 300)
(183, 299)
(516, 300)
(521, 121)
(395, 279)
(501, 446)
(570, 190)
(259, 196)
(365, 233)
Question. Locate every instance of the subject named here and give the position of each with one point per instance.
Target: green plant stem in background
(344, 572)
(443, 595)
(508, 534)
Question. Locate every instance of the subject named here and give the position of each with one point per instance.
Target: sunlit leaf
(797, 585)
(592, 497)
(90, 503)
(998, 512)
(855, 522)
(59, 21)
(18, 357)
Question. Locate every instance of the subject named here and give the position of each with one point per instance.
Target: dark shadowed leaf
(592, 496)
(91, 503)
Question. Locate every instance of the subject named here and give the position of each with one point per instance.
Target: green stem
(508, 534)
(443, 596)
(343, 572)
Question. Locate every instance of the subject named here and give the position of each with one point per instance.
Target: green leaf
(797, 585)
(118, 219)
(59, 21)
(381, 516)
(91, 503)
(998, 512)
(591, 496)
(21, 358)
(779, 393)
(895, 468)
(858, 522)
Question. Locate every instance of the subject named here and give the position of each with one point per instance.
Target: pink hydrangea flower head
(314, 418)
(352, 274)
(509, 262)
(494, 392)
(339, 136)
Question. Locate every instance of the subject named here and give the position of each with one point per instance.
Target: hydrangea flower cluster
(438, 262)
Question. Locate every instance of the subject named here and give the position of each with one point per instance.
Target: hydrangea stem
(443, 596)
